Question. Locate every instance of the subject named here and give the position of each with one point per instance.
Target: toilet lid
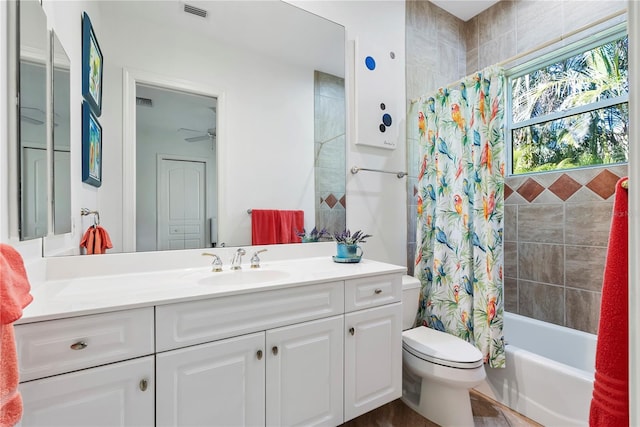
(441, 348)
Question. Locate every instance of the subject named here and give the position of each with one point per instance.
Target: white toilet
(438, 368)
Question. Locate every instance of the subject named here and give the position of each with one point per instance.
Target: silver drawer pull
(259, 354)
(352, 331)
(80, 345)
(143, 384)
(378, 291)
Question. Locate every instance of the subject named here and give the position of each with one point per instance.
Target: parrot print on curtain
(459, 255)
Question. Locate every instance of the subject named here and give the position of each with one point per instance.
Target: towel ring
(96, 215)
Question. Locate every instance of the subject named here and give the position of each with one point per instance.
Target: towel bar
(356, 169)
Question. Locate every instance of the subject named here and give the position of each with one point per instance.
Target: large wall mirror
(276, 128)
(32, 119)
(61, 136)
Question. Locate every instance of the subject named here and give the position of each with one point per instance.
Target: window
(571, 110)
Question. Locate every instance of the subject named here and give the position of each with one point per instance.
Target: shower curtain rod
(546, 44)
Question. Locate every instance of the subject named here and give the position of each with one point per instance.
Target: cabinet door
(215, 384)
(373, 359)
(120, 394)
(304, 374)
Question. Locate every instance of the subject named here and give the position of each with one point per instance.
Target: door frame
(130, 78)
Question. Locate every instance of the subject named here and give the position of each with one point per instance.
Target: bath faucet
(237, 259)
(255, 260)
(217, 262)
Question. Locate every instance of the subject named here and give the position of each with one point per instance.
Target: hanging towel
(96, 240)
(264, 226)
(14, 296)
(610, 402)
(290, 223)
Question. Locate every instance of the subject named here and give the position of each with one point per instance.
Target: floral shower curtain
(459, 255)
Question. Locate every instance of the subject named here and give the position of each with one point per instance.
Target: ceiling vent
(195, 10)
(143, 102)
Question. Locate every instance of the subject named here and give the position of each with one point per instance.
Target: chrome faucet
(217, 262)
(237, 259)
(255, 260)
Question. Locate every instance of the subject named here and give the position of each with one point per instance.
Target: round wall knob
(259, 354)
(80, 345)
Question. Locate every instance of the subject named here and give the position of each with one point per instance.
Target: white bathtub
(549, 372)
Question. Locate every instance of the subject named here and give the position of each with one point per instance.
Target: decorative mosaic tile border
(580, 185)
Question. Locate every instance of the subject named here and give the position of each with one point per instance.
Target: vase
(346, 251)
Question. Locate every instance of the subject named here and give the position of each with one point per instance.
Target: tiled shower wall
(330, 156)
(555, 243)
(556, 232)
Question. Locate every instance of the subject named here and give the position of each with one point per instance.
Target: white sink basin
(242, 277)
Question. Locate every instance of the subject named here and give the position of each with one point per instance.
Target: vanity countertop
(69, 297)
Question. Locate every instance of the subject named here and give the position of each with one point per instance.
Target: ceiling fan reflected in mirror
(193, 135)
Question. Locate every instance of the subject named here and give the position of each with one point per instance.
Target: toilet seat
(441, 348)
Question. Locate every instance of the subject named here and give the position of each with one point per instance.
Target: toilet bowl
(438, 368)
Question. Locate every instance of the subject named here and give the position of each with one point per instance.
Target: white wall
(376, 203)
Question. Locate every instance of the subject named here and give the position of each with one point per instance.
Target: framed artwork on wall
(91, 147)
(91, 67)
(378, 81)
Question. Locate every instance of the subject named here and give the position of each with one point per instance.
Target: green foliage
(598, 136)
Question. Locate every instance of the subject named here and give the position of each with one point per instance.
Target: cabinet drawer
(182, 324)
(372, 291)
(58, 346)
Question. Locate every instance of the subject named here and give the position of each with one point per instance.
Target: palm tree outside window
(571, 110)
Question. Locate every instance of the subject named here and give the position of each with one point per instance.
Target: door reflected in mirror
(61, 121)
(32, 119)
(175, 170)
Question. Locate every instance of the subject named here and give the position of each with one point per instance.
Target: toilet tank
(410, 301)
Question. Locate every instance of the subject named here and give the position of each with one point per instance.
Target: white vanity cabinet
(373, 343)
(89, 370)
(315, 353)
(285, 369)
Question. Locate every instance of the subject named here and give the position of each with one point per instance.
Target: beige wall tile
(541, 223)
(540, 301)
(541, 262)
(583, 310)
(511, 295)
(470, 32)
(588, 223)
(578, 14)
(537, 22)
(510, 259)
(501, 47)
(496, 21)
(510, 223)
(584, 267)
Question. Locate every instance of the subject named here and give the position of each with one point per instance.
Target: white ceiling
(464, 9)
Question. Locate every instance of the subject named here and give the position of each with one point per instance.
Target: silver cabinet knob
(143, 384)
(352, 331)
(378, 291)
(259, 354)
(80, 345)
(274, 350)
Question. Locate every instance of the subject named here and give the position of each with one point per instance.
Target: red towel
(14, 296)
(291, 222)
(96, 240)
(269, 227)
(610, 402)
(264, 227)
